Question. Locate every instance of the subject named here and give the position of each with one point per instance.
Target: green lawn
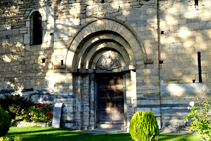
(52, 134)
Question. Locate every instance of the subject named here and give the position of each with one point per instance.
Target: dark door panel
(110, 98)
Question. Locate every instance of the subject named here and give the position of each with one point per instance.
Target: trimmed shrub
(144, 127)
(16, 106)
(4, 122)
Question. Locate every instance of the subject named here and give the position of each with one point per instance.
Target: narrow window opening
(62, 63)
(196, 2)
(162, 32)
(199, 67)
(102, 1)
(43, 60)
(36, 29)
(194, 81)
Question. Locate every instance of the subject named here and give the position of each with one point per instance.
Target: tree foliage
(200, 120)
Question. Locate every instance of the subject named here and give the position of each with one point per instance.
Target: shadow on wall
(39, 96)
(177, 99)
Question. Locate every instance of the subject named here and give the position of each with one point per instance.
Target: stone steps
(110, 126)
(110, 130)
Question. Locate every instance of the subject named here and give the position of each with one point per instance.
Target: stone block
(26, 39)
(5, 42)
(32, 82)
(62, 34)
(18, 40)
(40, 82)
(5, 27)
(143, 109)
(192, 20)
(142, 28)
(193, 25)
(2, 33)
(8, 32)
(176, 45)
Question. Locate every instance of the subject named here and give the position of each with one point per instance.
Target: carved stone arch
(85, 60)
(42, 11)
(106, 24)
(101, 37)
(99, 54)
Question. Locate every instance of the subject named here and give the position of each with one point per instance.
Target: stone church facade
(107, 59)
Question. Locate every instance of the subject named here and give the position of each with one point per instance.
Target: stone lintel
(113, 71)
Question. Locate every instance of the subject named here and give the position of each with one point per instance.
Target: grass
(52, 134)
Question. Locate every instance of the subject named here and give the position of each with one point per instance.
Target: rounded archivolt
(96, 49)
(101, 35)
(100, 42)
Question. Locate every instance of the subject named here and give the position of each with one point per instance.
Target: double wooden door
(110, 98)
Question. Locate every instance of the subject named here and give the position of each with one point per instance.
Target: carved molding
(101, 9)
(108, 63)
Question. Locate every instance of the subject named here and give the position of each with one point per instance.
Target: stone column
(91, 99)
(78, 101)
(85, 100)
(125, 99)
(128, 98)
(133, 94)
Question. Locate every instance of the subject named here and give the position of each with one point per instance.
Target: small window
(196, 2)
(43, 60)
(36, 29)
(199, 67)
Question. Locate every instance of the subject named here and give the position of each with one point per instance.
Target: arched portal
(103, 29)
(103, 57)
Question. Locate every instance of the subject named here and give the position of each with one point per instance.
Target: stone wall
(185, 30)
(21, 64)
(156, 43)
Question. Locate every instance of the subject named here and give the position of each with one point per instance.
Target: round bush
(4, 122)
(144, 127)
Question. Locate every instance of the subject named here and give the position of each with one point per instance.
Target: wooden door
(110, 99)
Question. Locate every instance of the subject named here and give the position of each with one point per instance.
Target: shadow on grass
(30, 131)
(52, 134)
(165, 137)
